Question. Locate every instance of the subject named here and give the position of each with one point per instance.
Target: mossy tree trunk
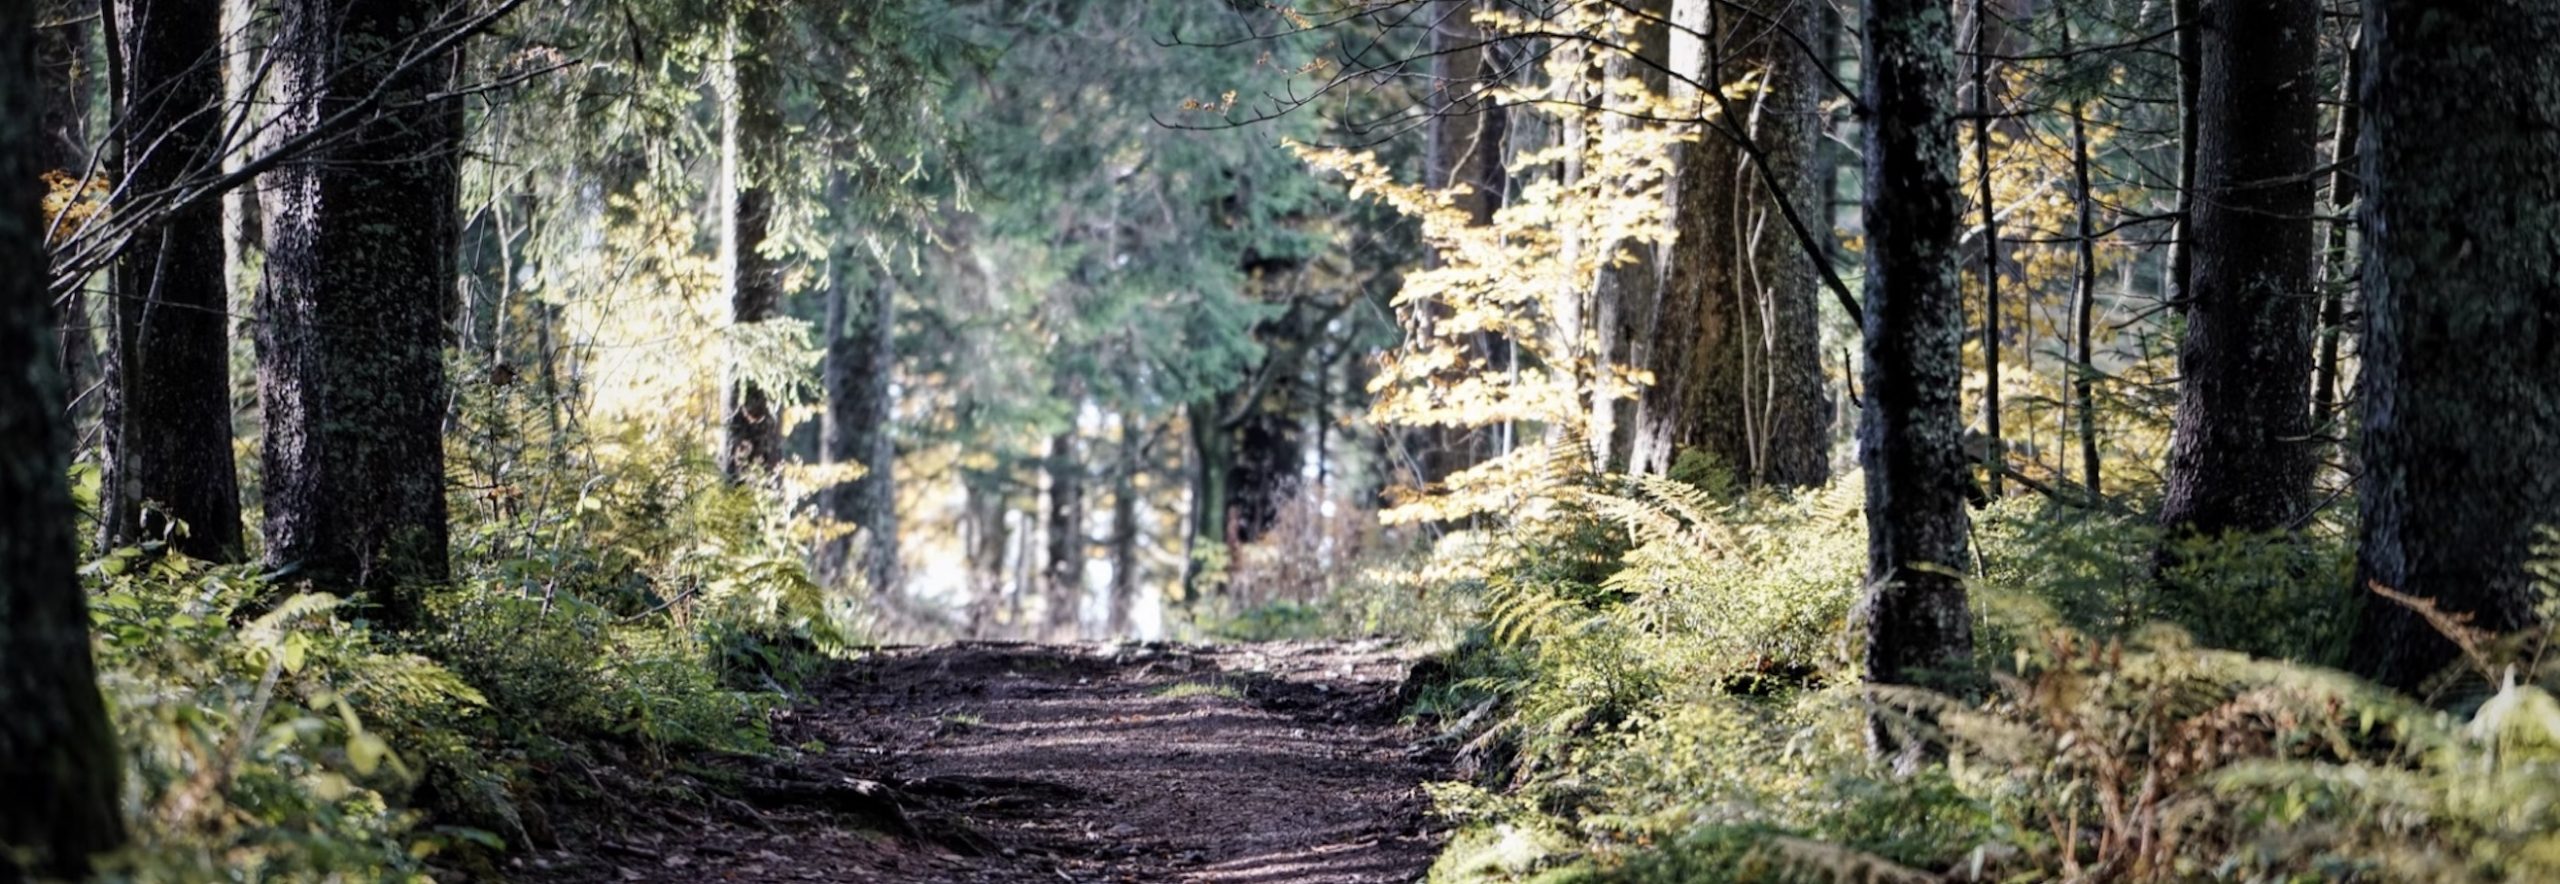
(1760, 406)
(1918, 628)
(169, 446)
(59, 765)
(359, 278)
(2461, 338)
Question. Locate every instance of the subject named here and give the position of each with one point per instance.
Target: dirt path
(1246, 764)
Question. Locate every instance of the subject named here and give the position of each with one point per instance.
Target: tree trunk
(61, 143)
(751, 121)
(169, 450)
(2335, 279)
(2461, 339)
(1995, 458)
(1737, 352)
(1918, 630)
(359, 278)
(1064, 564)
(1626, 295)
(59, 763)
(2241, 454)
(1467, 131)
(861, 363)
(1124, 530)
(2084, 286)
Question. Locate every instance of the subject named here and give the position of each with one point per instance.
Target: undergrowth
(648, 608)
(1661, 686)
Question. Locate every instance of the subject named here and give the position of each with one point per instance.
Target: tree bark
(861, 363)
(361, 260)
(1625, 297)
(1738, 349)
(2461, 341)
(752, 120)
(1918, 629)
(2241, 455)
(1764, 409)
(169, 449)
(59, 765)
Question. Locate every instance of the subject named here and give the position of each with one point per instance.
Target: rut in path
(1240, 764)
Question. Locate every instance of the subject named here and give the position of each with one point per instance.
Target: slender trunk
(1124, 530)
(2461, 336)
(2186, 16)
(750, 123)
(1918, 628)
(359, 277)
(61, 144)
(59, 763)
(1995, 457)
(169, 451)
(861, 363)
(2336, 279)
(2241, 453)
(2084, 291)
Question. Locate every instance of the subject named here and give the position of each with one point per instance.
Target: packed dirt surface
(1240, 764)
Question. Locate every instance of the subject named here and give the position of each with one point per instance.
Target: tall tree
(169, 440)
(1626, 296)
(1918, 629)
(58, 761)
(1754, 396)
(861, 364)
(2241, 454)
(751, 121)
(2461, 341)
(361, 238)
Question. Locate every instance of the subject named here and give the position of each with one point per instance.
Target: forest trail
(1270, 763)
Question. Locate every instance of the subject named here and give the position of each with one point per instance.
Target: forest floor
(1240, 764)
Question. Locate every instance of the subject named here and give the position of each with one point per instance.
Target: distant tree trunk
(1212, 467)
(986, 537)
(1761, 407)
(2084, 285)
(361, 260)
(861, 362)
(1995, 459)
(244, 44)
(169, 450)
(751, 121)
(2240, 457)
(1624, 299)
(1918, 629)
(62, 144)
(1064, 565)
(59, 765)
(2336, 282)
(1467, 132)
(2461, 339)
(1124, 529)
